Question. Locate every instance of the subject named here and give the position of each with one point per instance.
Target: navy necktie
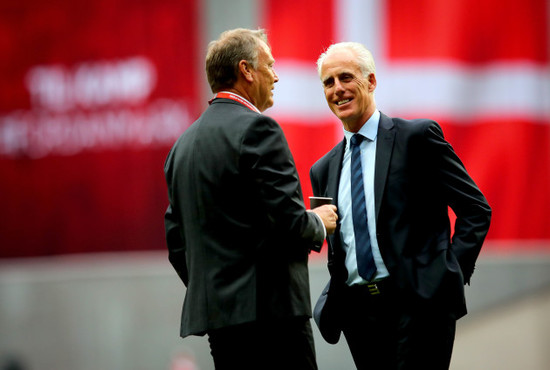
(365, 260)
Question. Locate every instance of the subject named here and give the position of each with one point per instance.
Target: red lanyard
(237, 98)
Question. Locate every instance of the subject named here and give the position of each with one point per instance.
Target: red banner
(93, 94)
(481, 69)
(501, 50)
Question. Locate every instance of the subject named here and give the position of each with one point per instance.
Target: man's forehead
(334, 70)
(266, 50)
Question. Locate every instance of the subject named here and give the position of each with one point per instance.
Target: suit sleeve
(175, 239)
(465, 199)
(267, 159)
(176, 245)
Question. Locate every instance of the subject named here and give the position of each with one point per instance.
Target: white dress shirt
(368, 156)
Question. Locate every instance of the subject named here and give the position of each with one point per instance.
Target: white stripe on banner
(362, 21)
(453, 90)
(458, 92)
(299, 93)
(463, 92)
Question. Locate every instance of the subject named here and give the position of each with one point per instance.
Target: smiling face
(349, 94)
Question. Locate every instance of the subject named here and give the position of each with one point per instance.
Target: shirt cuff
(322, 224)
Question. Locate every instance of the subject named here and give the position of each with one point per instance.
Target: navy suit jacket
(237, 229)
(417, 177)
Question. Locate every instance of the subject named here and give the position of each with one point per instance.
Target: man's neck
(241, 92)
(228, 94)
(356, 124)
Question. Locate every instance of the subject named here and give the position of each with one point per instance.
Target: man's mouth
(341, 102)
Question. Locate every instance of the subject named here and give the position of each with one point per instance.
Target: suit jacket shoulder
(237, 230)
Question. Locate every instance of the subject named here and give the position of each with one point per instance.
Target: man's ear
(246, 70)
(372, 82)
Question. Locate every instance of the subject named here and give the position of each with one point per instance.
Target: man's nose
(338, 87)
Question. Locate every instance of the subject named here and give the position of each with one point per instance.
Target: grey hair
(225, 53)
(365, 59)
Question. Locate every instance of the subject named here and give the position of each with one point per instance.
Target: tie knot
(356, 139)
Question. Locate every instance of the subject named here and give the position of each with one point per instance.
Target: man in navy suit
(397, 273)
(237, 230)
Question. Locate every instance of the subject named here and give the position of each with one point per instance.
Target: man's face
(348, 93)
(265, 78)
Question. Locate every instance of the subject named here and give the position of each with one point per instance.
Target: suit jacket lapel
(334, 170)
(384, 149)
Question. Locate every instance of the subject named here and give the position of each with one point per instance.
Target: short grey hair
(365, 59)
(225, 53)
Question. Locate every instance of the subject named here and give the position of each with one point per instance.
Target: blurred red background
(93, 94)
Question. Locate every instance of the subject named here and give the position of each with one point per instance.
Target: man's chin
(268, 105)
(342, 114)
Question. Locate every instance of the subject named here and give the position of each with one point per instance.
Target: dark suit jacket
(417, 177)
(237, 230)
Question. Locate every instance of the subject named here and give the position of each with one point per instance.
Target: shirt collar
(369, 129)
(238, 98)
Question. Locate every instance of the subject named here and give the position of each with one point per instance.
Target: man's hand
(328, 215)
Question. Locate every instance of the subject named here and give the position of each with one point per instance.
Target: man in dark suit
(237, 231)
(397, 273)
